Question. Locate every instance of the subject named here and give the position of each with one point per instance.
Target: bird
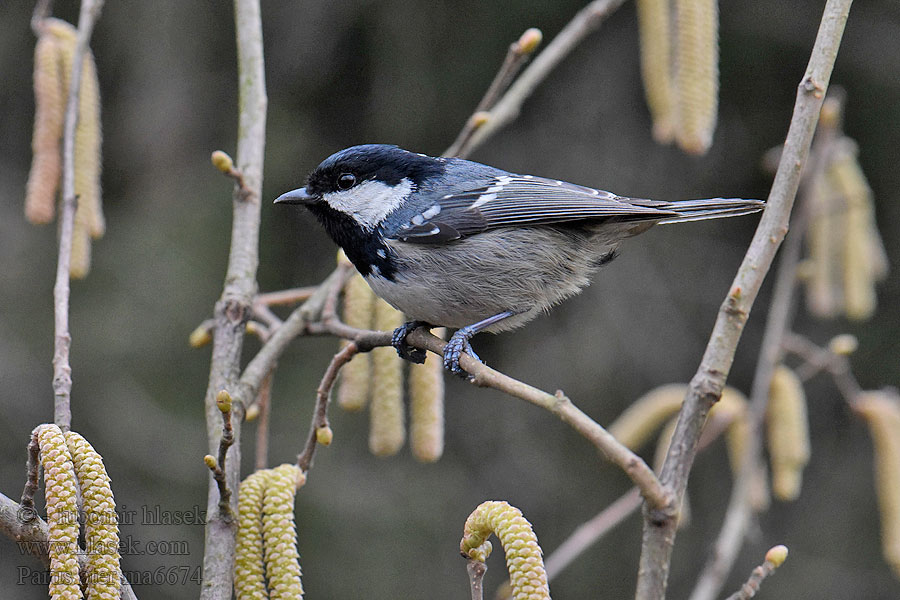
(454, 243)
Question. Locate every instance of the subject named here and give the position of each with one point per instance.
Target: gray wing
(521, 200)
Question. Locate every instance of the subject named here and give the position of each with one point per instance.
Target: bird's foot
(458, 344)
(407, 352)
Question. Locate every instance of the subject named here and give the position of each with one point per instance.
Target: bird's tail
(710, 208)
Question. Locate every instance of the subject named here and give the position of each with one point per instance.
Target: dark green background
(342, 73)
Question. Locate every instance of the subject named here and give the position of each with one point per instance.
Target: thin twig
(264, 402)
(42, 10)
(706, 386)
(33, 475)
(516, 56)
(483, 376)
(759, 574)
(289, 296)
(234, 307)
(476, 570)
(62, 370)
(587, 534)
(836, 365)
(295, 325)
(587, 20)
(323, 394)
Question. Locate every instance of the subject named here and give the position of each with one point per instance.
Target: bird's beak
(295, 197)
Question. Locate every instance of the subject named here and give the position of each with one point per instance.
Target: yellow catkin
(387, 429)
(523, 555)
(696, 73)
(823, 290)
(358, 311)
(88, 214)
(788, 433)
(426, 408)
(654, 25)
(280, 534)
(87, 152)
(637, 424)
(101, 528)
(882, 414)
(733, 407)
(863, 260)
(49, 108)
(249, 570)
(62, 513)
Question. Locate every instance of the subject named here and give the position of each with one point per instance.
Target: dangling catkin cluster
(52, 69)
(523, 555)
(267, 564)
(69, 461)
(62, 513)
(881, 410)
(680, 68)
(101, 528)
(846, 256)
(376, 378)
(788, 433)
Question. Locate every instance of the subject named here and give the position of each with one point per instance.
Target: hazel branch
(320, 414)
(62, 340)
(476, 570)
(707, 384)
(33, 468)
(740, 509)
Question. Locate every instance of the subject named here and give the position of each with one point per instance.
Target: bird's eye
(346, 181)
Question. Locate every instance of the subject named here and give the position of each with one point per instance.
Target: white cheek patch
(370, 201)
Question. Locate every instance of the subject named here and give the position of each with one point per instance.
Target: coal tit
(455, 243)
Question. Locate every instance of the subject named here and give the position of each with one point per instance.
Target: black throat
(365, 249)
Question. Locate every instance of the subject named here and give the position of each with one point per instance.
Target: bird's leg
(398, 341)
(459, 343)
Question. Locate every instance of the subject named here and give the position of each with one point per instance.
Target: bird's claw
(404, 350)
(458, 344)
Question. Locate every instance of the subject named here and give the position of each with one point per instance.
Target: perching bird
(451, 242)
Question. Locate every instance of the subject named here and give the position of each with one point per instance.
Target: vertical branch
(706, 385)
(234, 307)
(62, 371)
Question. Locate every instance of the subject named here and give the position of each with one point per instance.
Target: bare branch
(780, 314)
(323, 394)
(62, 370)
(234, 307)
(706, 386)
(476, 570)
(33, 475)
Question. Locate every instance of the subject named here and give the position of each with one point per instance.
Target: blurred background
(410, 73)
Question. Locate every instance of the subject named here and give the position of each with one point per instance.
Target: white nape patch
(595, 192)
(482, 199)
(370, 201)
(527, 176)
(432, 212)
(558, 182)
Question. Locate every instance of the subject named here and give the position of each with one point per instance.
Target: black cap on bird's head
(369, 162)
